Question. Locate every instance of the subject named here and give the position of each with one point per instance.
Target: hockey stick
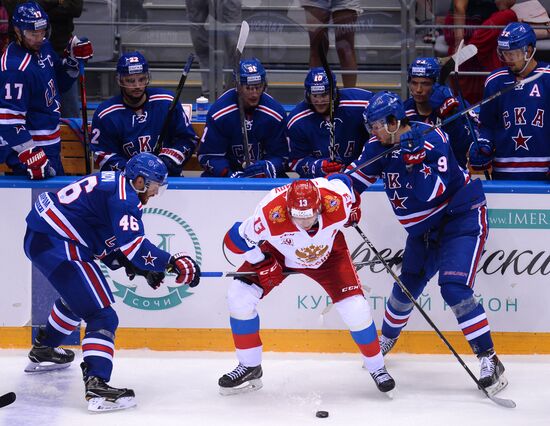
(172, 107)
(243, 36)
(461, 55)
(500, 401)
(453, 118)
(396, 260)
(7, 399)
(463, 103)
(324, 61)
(84, 110)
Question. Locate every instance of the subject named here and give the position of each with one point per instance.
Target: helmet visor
(375, 125)
(514, 55)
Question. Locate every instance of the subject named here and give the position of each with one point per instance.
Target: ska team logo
(173, 234)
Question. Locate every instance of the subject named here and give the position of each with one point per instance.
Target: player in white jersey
(297, 227)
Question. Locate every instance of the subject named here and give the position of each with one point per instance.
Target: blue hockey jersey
(515, 123)
(120, 132)
(29, 96)
(419, 197)
(221, 150)
(309, 133)
(458, 131)
(100, 212)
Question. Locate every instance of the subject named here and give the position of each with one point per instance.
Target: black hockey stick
(84, 110)
(508, 403)
(332, 90)
(7, 399)
(463, 103)
(243, 36)
(452, 118)
(172, 107)
(461, 55)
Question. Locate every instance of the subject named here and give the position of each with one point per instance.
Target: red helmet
(303, 199)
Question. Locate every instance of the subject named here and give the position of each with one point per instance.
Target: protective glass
(134, 81)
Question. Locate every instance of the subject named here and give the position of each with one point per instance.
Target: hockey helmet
(151, 168)
(516, 35)
(30, 16)
(317, 83)
(303, 199)
(251, 72)
(381, 106)
(424, 67)
(132, 63)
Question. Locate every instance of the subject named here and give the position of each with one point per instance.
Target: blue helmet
(424, 67)
(30, 16)
(150, 167)
(251, 71)
(516, 35)
(132, 63)
(381, 106)
(316, 82)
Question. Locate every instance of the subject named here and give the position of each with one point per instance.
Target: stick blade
(463, 54)
(7, 399)
(243, 36)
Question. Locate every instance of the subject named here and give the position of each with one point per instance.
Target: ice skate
(491, 372)
(101, 397)
(384, 382)
(241, 379)
(386, 343)
(44, 358)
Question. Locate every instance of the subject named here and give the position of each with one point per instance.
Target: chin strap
(392, 134)
(527, 60)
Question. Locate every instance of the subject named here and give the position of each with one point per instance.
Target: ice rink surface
(180, 388)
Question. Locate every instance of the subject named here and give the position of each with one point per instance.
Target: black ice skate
(491, 372)
(241, 379)
(384, 382)
(101, 397)
(386, 343)
(44, 358)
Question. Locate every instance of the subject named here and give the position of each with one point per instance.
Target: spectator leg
(318, 34)
(345, 43)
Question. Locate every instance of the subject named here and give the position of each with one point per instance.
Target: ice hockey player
(308, 127)
(431, 103)
(221, 152)
(97, 217)
(131, 122)
(445, 215)
(513, 133)
(297, 227)
(31, 78)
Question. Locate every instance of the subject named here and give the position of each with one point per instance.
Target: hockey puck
(321, 414)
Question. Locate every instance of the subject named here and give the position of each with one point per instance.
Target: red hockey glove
(270, 272)
(80, 49)
(412, 146)
(187, 269)
(355, 214)
(323, 167)
(38, 165)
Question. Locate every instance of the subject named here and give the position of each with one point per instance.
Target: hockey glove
(412, 146)
(173, 159)
(79, 49)
(270, 272)
(187, 269)
(355, 214)
(443, 101)
(38, 165)
(323, 167)
(481, 154)
(260, 169)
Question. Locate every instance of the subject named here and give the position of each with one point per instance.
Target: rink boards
(194, 214)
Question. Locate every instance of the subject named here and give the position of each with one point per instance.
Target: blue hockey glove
(481, 154)
(173, 159)
(412, 146)
(443, 101)
(260, 169)
(323, 167)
